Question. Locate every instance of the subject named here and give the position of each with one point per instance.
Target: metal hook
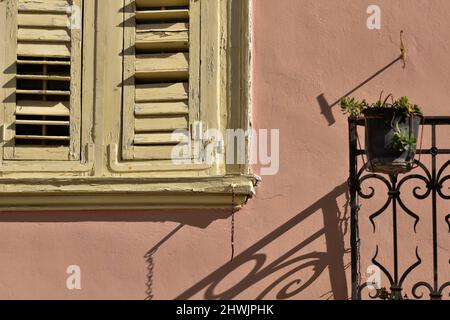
(403, 50)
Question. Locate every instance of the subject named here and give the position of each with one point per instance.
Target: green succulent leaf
(402, 141)
(354, 108)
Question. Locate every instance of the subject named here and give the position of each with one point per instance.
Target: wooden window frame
(78, 157)
(103, 178)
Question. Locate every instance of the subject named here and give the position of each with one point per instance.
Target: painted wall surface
(291, 240)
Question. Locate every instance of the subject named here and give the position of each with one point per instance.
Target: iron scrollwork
(430, 183)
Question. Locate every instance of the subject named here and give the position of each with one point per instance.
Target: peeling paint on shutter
(42, 115)
(161, 76)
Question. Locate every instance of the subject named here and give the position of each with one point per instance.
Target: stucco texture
(292, 239)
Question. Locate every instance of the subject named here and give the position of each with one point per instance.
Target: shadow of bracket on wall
(326, 107)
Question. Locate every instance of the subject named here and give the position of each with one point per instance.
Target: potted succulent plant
(392, 130)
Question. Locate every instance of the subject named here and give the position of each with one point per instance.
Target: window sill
(119, 193)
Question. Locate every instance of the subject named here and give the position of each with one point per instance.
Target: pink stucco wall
(291, 240)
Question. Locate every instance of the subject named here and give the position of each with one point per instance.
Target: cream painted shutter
(161, 75)
(42, 113)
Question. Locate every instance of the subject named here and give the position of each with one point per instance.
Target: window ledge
(118, 193)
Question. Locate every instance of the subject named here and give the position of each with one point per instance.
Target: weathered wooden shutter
(42, 113)
(161, 64)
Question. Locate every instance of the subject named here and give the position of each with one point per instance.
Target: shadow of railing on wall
(290, 262)
(282, 268)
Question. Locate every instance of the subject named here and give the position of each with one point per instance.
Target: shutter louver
(161, 76)
(44, 122)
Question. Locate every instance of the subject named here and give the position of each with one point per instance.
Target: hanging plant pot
(391, 139)
(392, 131)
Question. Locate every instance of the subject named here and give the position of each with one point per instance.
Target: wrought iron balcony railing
(434, 181)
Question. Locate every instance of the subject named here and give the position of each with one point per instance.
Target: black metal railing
(436, 181)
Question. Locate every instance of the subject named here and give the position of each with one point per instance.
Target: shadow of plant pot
(391, 140)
